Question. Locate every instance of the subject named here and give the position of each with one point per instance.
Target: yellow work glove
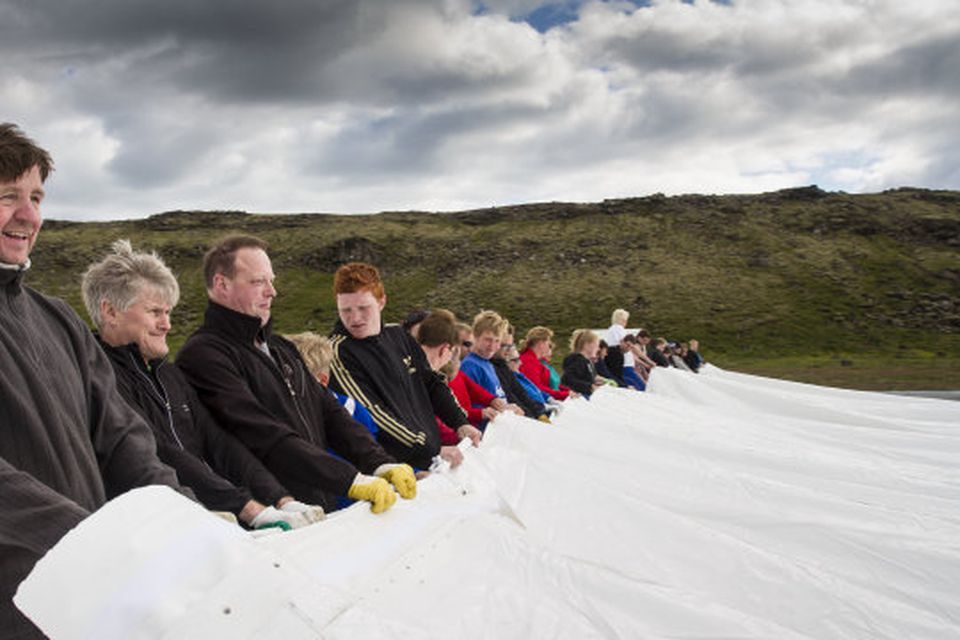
(401, 477)
(376, 491)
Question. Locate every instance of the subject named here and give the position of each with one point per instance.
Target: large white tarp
(715, 505)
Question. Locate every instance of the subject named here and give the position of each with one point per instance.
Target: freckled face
(360, 313)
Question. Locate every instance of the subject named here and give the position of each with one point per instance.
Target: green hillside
(854, 290)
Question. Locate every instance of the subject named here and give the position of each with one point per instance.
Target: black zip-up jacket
(389, 374)
(516, 394)
(579, 373)
(275, 407)
(221, 471)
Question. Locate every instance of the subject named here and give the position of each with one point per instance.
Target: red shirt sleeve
(459, 387)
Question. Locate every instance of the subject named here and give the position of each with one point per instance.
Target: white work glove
(273, 517)
(311, 512)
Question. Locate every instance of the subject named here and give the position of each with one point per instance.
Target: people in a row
(271, 430)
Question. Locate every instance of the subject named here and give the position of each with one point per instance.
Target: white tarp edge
(713, 506)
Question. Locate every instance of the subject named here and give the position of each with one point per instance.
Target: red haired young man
(384, 369)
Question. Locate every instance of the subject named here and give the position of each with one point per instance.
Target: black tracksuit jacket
(389, 374)
(275, 407)
(223, 473)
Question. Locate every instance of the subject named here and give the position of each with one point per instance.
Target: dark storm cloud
(291, 105)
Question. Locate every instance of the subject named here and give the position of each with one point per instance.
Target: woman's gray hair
(121, 277)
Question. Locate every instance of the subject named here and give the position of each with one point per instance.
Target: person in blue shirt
(488, 328)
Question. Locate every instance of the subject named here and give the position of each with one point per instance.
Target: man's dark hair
(643, 333)
(414, 318)
(18, 154)
(222, 257)
(438, 328)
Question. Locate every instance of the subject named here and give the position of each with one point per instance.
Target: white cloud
(366, 105)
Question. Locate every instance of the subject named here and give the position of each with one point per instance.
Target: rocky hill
(797, 271)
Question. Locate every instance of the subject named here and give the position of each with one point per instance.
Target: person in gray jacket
(68, 441)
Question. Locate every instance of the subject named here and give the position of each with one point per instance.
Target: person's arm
(33, 518)
(459, 386)
(539, 375)
(225, 392)
(230, 459)
(479, 395)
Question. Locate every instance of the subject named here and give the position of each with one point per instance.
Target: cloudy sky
(356, 106)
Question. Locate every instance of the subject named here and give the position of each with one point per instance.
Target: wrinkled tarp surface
(716, 505)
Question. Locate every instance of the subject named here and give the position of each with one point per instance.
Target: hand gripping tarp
(713, 506)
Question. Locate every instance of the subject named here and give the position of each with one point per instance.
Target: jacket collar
(11, 275)
(339, 329)
(235, 325)
(129, 356)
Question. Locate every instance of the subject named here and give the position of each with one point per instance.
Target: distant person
(692, 356)
(537, 346)
(514, 362)
(655, 351)
(579, 371)
(643, 362)
(68, 440)
(257, 386)
(618, 327)
(506, 365)
(383, 368)
(602, 370)
(129, 297)
(628, 345)
(621, 359)
(675, 356)
(488, 329)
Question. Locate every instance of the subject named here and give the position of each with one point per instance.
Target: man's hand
(377, 491)
(499, 404)
(512, 407)
(273, 517)
(452, 455)
(489, 413)
(311, 512)
(401, 477)
(471, 432)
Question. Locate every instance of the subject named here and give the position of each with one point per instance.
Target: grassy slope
(789, 284)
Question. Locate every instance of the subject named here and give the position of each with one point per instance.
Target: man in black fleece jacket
(256, 385)
(384, 369)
